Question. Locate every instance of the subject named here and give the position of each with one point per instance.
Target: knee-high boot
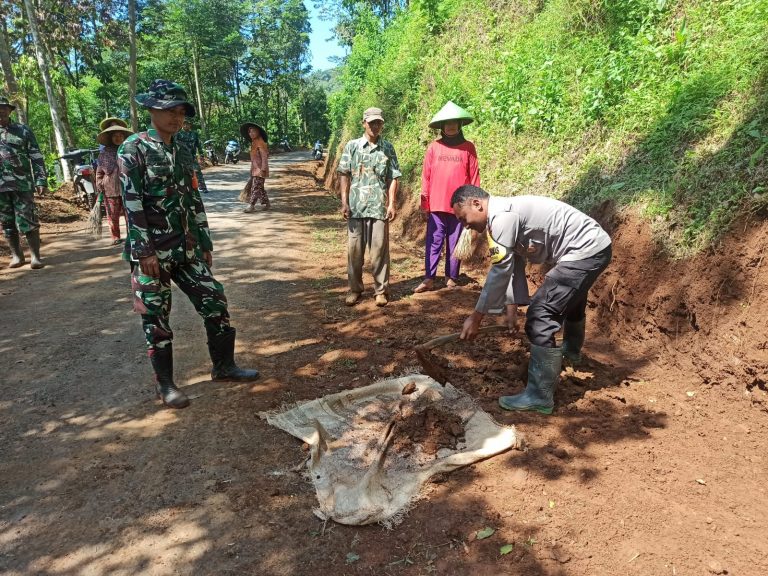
(162, 364)
(17, 255)
(573, 340)
(543, 373)
(33, 239)
(221, 347)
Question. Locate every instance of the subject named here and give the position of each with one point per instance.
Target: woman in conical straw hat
(254, 189)
(108, 175)
(450, 162)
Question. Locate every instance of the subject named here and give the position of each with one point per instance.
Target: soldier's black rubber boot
(543, 374)
(573, 340)
(162, 364)
(17, 255)
(222, 350)
(33, 239)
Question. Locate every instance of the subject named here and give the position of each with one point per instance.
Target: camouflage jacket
(165, 214)
(191, 141)
(371, 168)
(21, 164)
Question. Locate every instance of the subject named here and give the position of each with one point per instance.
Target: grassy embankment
(659, 106)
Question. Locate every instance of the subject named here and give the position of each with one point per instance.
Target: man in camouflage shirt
(169, 240)
(191, 141)
(22, 169)
(369, 175)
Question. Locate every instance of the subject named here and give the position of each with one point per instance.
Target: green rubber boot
(573, 340)
(33, 239)
(543, 373)
(17, 255)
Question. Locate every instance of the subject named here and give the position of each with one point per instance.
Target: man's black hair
(464, 193)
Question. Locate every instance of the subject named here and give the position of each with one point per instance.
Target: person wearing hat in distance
(369, 175)
(255, 190)
(169, 240)
(540, 230)
(191, 141)
(22, 170)
(108, 176)
(450, 162)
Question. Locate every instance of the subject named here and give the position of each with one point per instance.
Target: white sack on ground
(373, 448)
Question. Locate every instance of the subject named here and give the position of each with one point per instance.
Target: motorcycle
(317, 151)
(285, 145)
(231, 152)
(210, 153)
(85, 175)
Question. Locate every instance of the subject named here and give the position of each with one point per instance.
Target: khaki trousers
(373, 234)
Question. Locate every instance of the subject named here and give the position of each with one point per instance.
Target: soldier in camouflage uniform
(191, 141)
(22, 169)
(169, 240)
(368, 204)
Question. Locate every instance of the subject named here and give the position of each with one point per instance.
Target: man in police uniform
(169, 240)
(22, 169)
(191, 141)
(540, 230)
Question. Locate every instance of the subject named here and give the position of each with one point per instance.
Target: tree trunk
(132, 64)
(58, 129)
(10, 79)
(196, 70)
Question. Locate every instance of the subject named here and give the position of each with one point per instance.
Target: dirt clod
(433, 428)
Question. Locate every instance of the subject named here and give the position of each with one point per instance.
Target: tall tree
(42, 62)
(8, 76)
(132, 64)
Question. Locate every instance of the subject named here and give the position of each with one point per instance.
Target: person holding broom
(108, 176)
(254, 190)
(169, 240)
(450, 162)
(540, 230)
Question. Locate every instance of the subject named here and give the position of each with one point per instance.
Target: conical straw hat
(451, 112)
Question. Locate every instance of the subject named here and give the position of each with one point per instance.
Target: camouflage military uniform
(371, 168)
(22, 168)
(166, 218)
(190, 140)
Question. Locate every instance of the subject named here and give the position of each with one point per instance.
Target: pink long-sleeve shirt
(445, 169)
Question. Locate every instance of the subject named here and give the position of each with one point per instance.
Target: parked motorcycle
(285, 145)
(231, 152)
(85, 175)
(210, 153)
(317, 151)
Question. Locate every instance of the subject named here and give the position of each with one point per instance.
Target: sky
(320, 48)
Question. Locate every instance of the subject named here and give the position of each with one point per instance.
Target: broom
(93, 228)
(463, 249)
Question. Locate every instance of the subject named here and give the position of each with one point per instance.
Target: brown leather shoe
(352, 298)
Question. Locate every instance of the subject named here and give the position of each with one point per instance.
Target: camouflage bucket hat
(244, 131)
(5, 102)
(451, 112)
(164, 94)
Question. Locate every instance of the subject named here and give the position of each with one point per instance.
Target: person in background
(190, 141)
(22, 171)
(108, 176)
(450, 162)
(255, 190)
(369, 178)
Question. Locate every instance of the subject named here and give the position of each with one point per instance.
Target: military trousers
(152, 299)
(562, 296)
(18, 212)
(373, 234)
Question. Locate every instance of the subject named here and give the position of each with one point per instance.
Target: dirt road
(646, 468)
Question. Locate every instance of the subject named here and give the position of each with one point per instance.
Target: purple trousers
(442, 228)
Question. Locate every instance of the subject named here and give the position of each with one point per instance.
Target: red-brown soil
(652, 464)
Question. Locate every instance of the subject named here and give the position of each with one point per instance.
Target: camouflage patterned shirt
(191, 141)
(21, 164)
(165, 214)
(371, 168)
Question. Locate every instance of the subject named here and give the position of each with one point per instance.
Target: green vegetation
(655, 104)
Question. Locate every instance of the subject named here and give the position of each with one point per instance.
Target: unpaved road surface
(653, 464)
